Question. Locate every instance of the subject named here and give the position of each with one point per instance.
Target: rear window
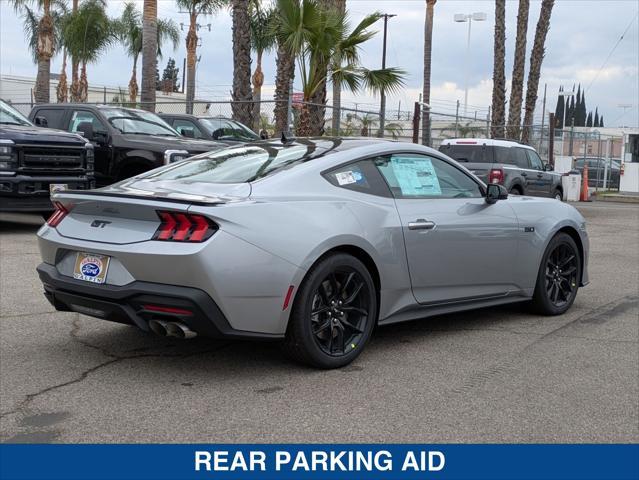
(468, 153)
(237, 165)
(54, 117)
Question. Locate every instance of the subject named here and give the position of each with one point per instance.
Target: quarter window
(418, 176)
(54, 116)
(361, 177)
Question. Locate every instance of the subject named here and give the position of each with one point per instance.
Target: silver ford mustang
(309, 241)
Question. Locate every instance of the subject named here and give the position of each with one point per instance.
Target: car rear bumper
(24, 193)
(128, 304)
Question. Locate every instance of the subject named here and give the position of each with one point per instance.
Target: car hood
(26, 134)
(162, 143)
(198, 192)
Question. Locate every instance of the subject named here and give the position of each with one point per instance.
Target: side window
(54, 116)
(81, 116)
(182, 125)
(519, 157)
(535, 161)
(418, 176)
(361, 177)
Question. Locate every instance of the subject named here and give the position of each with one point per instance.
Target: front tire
(558, 195)
(558, 277)
(334, 313)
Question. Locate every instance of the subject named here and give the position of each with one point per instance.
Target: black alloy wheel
(340, 311)
(559, 276)
(334, 313)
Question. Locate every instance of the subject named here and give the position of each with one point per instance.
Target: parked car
(516, 166)
(597, 169)
(210, 128)
(35, 161)
(127, 141)
(312, 242)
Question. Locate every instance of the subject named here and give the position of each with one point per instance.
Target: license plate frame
(58, 187)
(91, 267)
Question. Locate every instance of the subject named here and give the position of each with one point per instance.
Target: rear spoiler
(174, 197)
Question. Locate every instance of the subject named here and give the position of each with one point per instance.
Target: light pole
(461, 18)
(382, 105)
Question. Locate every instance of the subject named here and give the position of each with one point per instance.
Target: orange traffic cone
(583, 195)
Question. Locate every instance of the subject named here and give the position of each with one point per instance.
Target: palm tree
(195, 8)
(536, 58)
(242, 93)
(340, 6)
(311, 34)
(129, 27)
(86, 34)
(346, 57)
(517, 82)
(262, 41)
(428, 48)
(43, 40)
(149, 53)
(499, 76)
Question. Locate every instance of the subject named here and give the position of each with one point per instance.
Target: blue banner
(326, 462)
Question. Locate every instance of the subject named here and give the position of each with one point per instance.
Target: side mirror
(41, 121)
(86, 130)
(495, 192)
(187, 132)
(548, 167)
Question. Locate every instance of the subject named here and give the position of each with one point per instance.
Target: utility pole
(382, 106)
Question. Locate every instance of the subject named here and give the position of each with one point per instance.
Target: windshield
(236, 165)
(10, 116)
(138, 122)
(223, 129)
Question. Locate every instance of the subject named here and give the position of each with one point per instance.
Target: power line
(612, 51)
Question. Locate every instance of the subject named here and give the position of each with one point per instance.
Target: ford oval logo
(90, 270)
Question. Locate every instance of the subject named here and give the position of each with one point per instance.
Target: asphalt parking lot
(495, 375)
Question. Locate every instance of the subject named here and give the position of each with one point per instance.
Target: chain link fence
(581, 146)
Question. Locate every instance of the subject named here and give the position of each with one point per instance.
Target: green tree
(195, 10)
(262, 41)
(589, 120)
(129, 30)
(596, 119)
(311, 33)
(170, 76)
(559, 110)
(87, 33)
(43, 32)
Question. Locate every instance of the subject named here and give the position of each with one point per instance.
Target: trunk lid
(124, 214)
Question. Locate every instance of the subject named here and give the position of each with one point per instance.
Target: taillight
(184, 227)
(496, 175)
(57, 216)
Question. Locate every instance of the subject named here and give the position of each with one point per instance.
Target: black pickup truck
(37, 161)
(127, 141)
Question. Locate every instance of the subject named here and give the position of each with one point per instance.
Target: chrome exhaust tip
(179, 330)
(159, 327)
(171, 329)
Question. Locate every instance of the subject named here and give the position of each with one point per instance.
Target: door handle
(421, 224)
(524, 174)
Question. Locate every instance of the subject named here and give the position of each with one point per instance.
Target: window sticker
(416, 176)
(345, 178)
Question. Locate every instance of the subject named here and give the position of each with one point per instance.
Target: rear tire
(514, 191)
(558, 195)
(333, 315)
(559, 276)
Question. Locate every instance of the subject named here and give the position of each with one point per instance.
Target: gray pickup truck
(511, 164)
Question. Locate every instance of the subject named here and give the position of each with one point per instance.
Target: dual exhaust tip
(171, 329)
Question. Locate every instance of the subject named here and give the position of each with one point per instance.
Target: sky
(584, 46)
